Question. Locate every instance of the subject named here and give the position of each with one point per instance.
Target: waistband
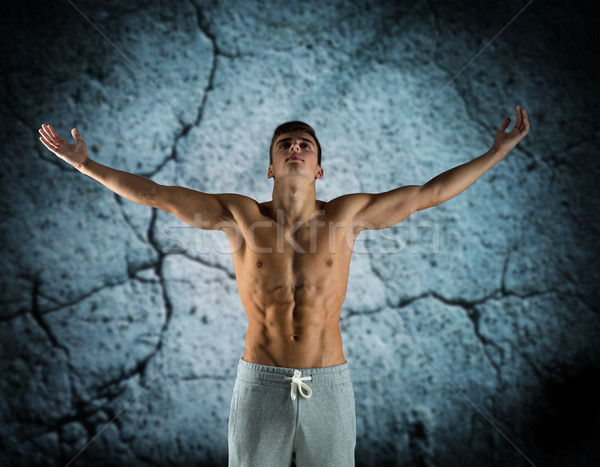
(275, 375)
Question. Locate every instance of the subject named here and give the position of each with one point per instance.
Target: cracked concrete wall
(471, 328)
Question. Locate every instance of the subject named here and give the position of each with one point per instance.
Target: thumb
(76, 135)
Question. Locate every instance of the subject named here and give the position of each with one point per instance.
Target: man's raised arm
(381, 210)
(202, 210)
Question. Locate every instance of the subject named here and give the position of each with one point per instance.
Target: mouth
(294, 157)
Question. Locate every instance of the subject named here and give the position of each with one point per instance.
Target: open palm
(75, 154)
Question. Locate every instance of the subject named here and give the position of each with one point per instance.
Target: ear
(270, 172)
(319, 173)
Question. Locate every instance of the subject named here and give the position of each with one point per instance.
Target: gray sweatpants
(271, 418)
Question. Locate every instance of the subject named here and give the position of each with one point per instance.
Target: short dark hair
(288, 127)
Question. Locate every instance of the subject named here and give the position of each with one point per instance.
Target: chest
(320, 248)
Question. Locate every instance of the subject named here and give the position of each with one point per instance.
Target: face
(295, 153)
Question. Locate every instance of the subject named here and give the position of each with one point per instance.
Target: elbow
(156, 197)
(430, 196)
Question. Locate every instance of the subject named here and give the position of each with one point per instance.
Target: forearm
(454, 181)
(132, 187)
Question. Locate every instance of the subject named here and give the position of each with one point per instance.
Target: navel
(259, 263)
(329, 263)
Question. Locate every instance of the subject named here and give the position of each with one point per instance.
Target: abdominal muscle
(294, 333)
(305, 347)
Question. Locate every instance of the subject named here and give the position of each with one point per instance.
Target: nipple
(329, 263)
(259, 263)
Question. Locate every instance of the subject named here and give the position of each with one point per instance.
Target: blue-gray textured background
(471, 328)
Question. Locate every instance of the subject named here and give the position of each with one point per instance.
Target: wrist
(83, 166)
(499, 152)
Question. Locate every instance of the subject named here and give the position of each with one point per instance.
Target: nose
(295, 146)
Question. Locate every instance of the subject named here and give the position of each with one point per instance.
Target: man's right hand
(75, 154)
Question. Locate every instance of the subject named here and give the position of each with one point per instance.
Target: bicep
(201, 210)
(381, 210)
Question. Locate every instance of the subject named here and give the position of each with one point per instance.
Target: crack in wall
(37, 316)
(140, 368)
(463, 90)
(468, 306)
(212, 265)
(349, 312)
(119, 200)
(204, 28)
(474, 316)
(436, 60)
(83, 296)
(209, 86)
(80, 412)
(187, 126)
(162, 281)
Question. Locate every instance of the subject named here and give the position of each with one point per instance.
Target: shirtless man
(293, 394)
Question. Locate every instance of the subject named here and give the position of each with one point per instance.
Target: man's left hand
(504, 142)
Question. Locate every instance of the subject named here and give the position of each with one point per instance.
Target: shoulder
(244, 210)
(347, 205)
(236, 200)
(237, 204)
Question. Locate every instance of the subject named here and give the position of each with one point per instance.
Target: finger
(50, 135)
(504, 124)
(522, 125)
(56, 137)
(519, 121)
(49, 144)
(46, 134)
(45, 143)
(526, 120)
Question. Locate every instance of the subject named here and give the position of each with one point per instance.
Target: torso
(292, 284)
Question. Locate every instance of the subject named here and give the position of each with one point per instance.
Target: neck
(293, 201)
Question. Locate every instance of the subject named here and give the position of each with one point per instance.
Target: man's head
(295, 152)
(290, 127)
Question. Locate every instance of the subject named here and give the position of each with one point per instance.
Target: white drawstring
(298, 385)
